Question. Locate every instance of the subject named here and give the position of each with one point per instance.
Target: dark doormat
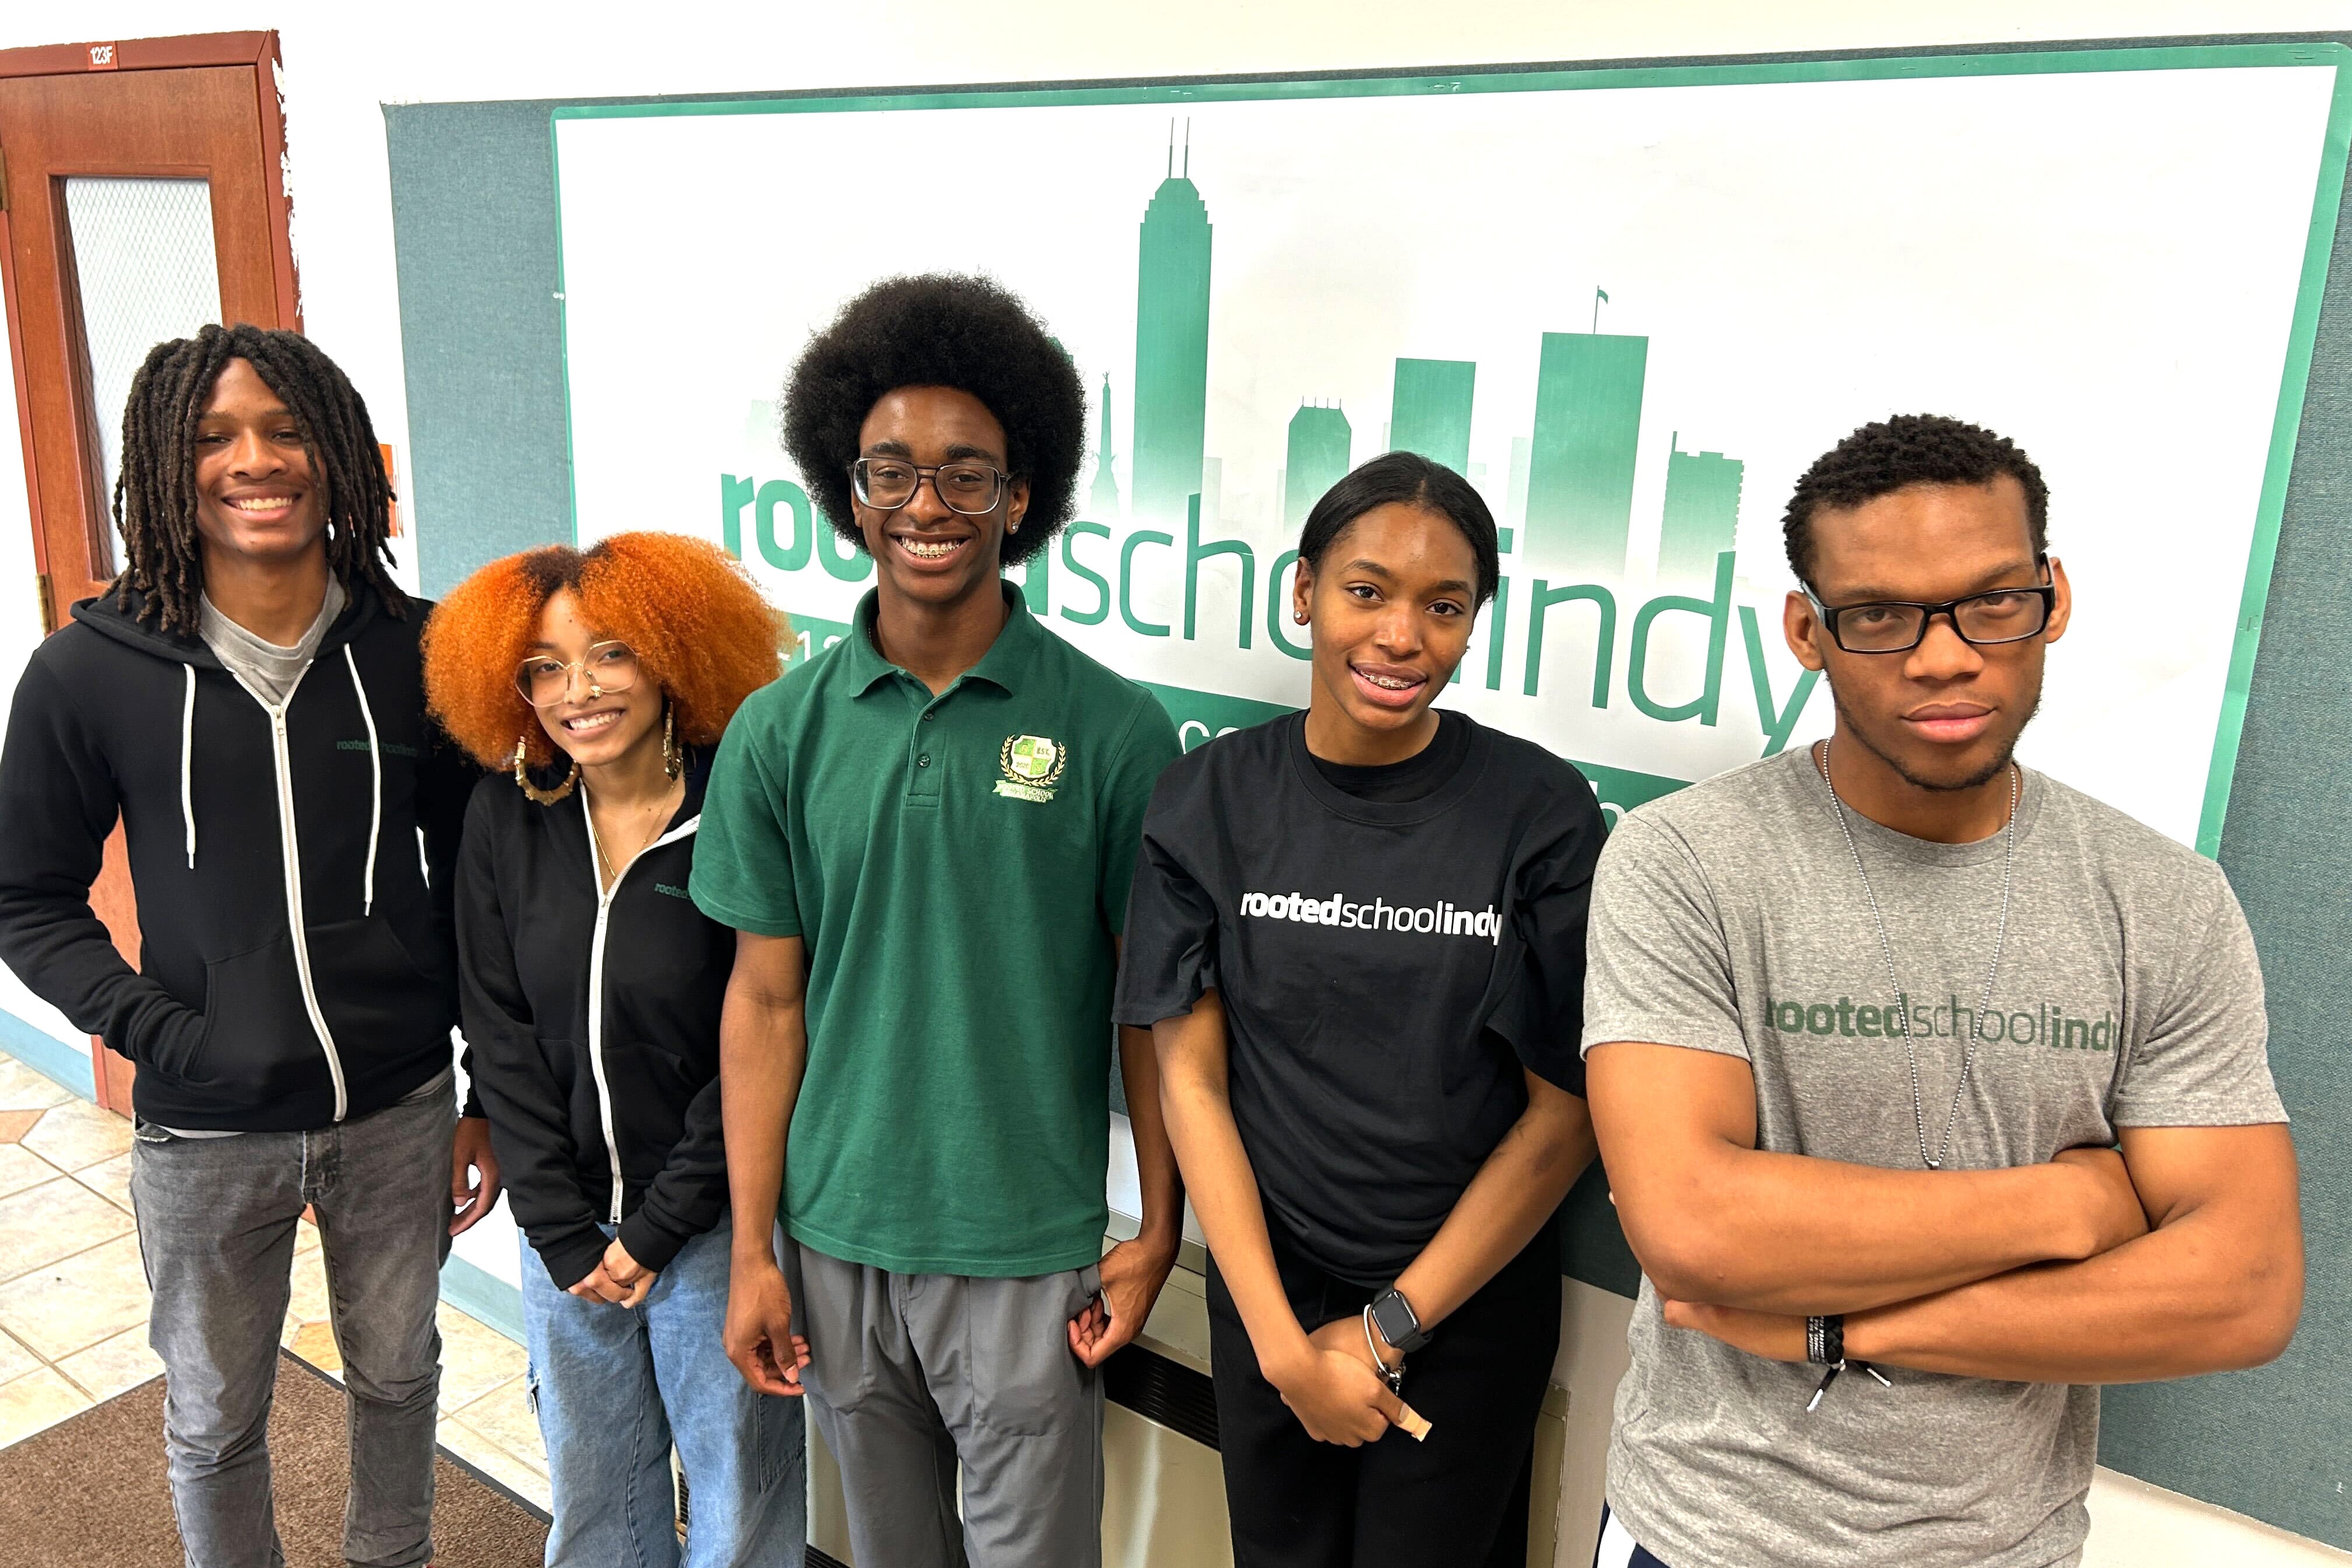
(90, 1492)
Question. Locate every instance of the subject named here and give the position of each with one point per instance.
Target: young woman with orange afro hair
(596, 683)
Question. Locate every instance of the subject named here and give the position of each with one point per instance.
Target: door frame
(257, 52)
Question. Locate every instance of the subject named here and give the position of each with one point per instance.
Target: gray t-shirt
(1728, 917)
(262, 665)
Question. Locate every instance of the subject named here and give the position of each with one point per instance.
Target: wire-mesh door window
(143, 257)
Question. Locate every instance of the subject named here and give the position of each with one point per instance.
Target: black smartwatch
(1394, 1316)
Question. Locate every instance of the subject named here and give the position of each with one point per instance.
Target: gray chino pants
(217, 1229)
(909, 1373)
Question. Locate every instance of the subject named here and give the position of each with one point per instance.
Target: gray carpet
(89, 1492)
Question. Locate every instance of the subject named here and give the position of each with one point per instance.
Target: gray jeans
(217, 1229)
(909, 1373)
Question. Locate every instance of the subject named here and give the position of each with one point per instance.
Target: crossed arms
(2183, 1254)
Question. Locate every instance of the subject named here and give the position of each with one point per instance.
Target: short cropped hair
(696, 625)
(1908, 449)
(939, 330)
(1414, 480)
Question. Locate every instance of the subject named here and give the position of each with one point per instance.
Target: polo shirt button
(924, 761)
(929, 714)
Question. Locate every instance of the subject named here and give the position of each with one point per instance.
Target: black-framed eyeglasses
(1997, 616)
(887, 484)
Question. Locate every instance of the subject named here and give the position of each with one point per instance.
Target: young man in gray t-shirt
(1863, 1024)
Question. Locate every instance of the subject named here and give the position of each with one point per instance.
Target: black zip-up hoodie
(593, 1019)
(236, 1025)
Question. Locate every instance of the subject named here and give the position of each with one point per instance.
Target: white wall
(1592, 1357)
(20, 633)
(341, 63)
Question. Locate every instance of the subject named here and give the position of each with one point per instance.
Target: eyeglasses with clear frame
(543, 680)
(886, 484)
(1997, 616)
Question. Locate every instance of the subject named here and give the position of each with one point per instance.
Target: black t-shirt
(1386, 967)
(1410, 779)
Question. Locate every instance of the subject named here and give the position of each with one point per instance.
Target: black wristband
(1825, 1340)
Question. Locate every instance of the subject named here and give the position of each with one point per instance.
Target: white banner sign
(1632, 306)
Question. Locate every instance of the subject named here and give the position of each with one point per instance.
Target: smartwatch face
(1396, 1322)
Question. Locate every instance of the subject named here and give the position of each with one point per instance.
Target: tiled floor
(73, 1299)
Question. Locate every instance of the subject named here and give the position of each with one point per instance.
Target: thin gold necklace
(605, 860)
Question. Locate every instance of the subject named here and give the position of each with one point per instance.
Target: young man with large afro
(923, 838)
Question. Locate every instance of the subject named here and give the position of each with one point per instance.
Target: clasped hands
(2115, 1215)
(1335, 1388)
(617, 1277)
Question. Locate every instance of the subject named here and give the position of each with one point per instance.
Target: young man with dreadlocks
(922, 839)
(249, 700)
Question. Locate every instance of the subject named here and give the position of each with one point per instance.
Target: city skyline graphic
(1171, 344)
(1103, 495)
(1313, 272)
(1567, 505)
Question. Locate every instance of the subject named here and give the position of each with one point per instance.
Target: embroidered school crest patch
(1032, 767)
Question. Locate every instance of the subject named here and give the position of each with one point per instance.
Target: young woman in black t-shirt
(1358, 935)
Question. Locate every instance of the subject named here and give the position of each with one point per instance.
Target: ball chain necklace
(1887, 951)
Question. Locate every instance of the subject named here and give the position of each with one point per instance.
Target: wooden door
(119, 163)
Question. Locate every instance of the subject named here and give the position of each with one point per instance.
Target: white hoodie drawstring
(187, 764)
(375, 782)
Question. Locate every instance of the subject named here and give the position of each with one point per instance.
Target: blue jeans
(216, 1231)
(616, 1386)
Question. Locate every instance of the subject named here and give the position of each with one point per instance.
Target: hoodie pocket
(257, 1042)
(567, 1067)
(371, 992)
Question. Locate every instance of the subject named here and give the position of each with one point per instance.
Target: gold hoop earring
(673, 761)
(523, 776)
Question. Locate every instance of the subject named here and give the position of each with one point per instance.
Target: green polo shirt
(958, 865)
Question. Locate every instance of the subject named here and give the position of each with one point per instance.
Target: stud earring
(523, 776)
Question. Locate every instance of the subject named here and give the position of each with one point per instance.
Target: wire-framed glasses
(607, 666)
(887, 484)
(1998, 616)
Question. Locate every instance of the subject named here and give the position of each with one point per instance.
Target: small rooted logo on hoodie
(1033, 766)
